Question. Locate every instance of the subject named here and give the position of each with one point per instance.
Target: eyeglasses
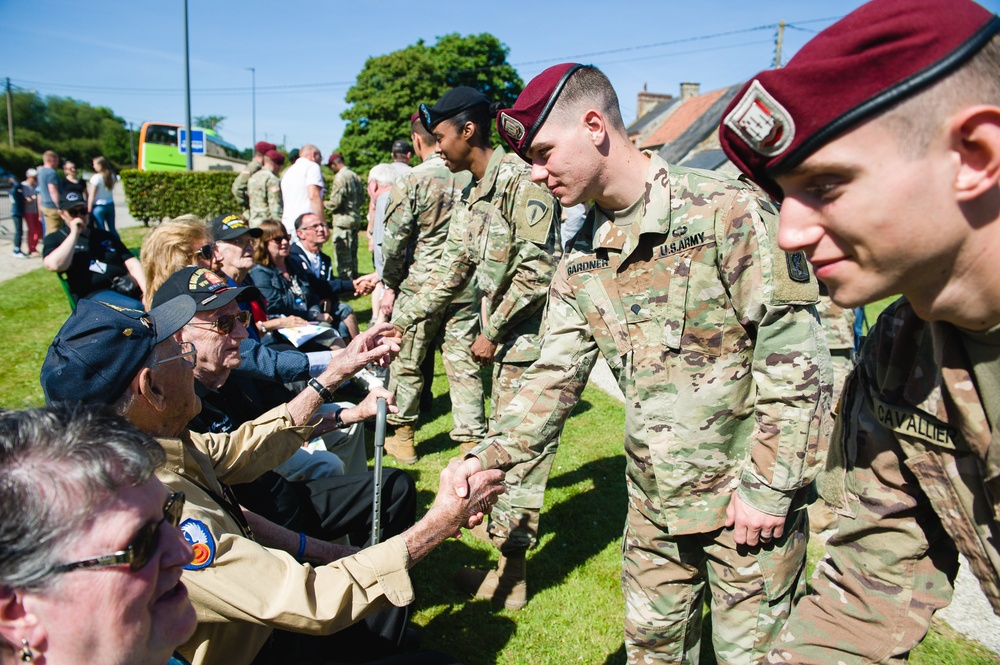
(281, 239)
(225, 324)
(142, 547)
(188, 353)
(313, 227)
(242, 242)
(206, 252)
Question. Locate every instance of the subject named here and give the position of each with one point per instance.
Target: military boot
(400, 444)
(505, 585)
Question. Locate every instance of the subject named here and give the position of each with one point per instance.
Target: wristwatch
(323, 391)
(338, 422)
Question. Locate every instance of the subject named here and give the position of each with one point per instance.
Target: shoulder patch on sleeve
(534, 211)
(794, 282)
(200, 538)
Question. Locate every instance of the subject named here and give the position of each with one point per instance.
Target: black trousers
(328, 509)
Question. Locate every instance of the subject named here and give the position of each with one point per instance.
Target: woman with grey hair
(90, 550)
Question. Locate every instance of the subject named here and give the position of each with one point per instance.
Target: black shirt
(97, 259)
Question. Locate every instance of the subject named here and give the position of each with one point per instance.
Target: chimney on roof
(689, 90)
(647, 100)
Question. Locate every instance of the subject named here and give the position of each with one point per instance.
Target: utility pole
(131, 144)
(777, 44)
(10, 115)
(253, 101)
(187, 87)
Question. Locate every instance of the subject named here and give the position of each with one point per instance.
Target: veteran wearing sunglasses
(241, 588)
(95, 576)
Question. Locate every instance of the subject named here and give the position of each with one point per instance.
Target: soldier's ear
(974, 136)
(594, 123)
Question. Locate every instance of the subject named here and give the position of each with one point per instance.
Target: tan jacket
(244, 590)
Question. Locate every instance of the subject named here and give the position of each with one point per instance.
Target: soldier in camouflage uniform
(417, 220)
(242, 181)
(264, 190)
(889, 184)
(506, 237)
(712, 335)
(347, 197)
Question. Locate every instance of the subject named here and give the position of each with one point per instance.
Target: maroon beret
(263, 147)
(334, 157)
(519, 125)
(876, 56)
(415, 117)
(275, 157)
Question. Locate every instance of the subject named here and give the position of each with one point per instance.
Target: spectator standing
(240, 187)
(101, 201)
(347, 196)
(264, 190)
(17, 215)
(31, 218)
(70, 182)
(302, 187)
(48, 192)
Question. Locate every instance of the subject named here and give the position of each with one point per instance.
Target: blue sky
(128, 55)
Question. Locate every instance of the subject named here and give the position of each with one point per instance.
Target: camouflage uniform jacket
(347, 199)
(710, 331)
(913, 394)
(264, 191)
(504, 234)
(416, 224)
(239, 188)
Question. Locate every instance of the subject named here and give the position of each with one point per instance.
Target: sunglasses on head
(142, 547)
(225, 324)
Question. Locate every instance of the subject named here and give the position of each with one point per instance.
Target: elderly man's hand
(377, 345)
(365, 284)
(467, 512)
(368, 408)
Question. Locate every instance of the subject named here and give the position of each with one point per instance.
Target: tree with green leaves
(213, 122)
(391, 87)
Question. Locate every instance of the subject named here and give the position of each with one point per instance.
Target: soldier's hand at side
(388, 299)
(483, 350)
(751, 526)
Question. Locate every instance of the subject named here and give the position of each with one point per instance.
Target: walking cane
(382, 410)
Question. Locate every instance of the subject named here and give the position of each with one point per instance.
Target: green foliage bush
(17, 160)
(153, 195)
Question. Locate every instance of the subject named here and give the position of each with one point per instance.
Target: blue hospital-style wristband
(302, 547)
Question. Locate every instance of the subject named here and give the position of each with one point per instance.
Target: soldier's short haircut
(417, 126)
(480, 115)
(916, 120)
(588, 86)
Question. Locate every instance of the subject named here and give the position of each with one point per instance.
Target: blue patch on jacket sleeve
(200, 538)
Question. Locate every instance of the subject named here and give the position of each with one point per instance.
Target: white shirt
(295, 183)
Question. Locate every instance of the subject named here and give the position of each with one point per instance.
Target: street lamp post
(253, 102)
(187, 88)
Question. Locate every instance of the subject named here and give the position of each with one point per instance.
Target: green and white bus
(160, 150)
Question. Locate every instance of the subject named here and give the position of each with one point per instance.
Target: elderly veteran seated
(91, 563)
(309, 492)
(244, 588)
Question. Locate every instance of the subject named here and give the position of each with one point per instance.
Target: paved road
(12, 267)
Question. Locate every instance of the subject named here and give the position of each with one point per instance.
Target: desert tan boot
(400, 444)
(505, 585)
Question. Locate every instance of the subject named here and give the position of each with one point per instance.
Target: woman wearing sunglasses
(180, 242)
(92, 552)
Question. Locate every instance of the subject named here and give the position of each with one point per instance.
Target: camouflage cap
(519, 125)
(876, 56)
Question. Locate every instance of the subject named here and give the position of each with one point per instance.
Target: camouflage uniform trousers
(886, 571)
(513, 523)
(460, 329)
(752, 591)
(345, 249)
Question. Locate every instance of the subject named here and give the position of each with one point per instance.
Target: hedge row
(153, 195)
(18, 159)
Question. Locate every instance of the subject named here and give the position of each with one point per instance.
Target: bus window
(161, 135)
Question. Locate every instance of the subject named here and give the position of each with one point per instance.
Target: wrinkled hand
(365, 284)
(293, 321)
(368, 407)
(483, 489)
(463, 472)
(751, 526)
(377, 345)
(483, 350)
(388, 299)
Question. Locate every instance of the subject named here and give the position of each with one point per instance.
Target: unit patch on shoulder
(200, 538)
(761, 122)
(535, 219)
(798, 266)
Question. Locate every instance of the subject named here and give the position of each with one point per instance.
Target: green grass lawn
(576, 609)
